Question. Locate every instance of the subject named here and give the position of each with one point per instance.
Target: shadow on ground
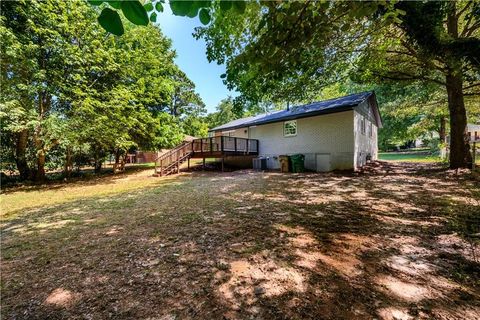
(246, 245)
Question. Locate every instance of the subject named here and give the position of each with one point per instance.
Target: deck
(213, 147)
(221, 146)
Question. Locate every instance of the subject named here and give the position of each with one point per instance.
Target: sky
(191, 57)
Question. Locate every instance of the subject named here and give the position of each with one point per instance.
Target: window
(290, 128)
(229, 133)
(370, 130)
(362, 125)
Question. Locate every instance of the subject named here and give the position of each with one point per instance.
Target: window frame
(228, 133)
(363, 126)
(285, 123)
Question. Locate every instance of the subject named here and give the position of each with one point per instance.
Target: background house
(334, 134)
(473, 132)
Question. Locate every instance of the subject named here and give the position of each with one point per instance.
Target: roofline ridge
(252, 121)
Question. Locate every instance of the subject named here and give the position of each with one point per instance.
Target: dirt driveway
(248, 245)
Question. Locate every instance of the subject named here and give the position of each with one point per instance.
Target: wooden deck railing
(173, 158)
(225, 145)
(212, 147)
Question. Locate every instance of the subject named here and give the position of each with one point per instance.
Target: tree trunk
(98, 166)
(124, 160)
(40, 168)
(442, 132)
(117, 161)
(40, 172)
(68, 163)
(20, 154)
(460, 156)
(44, 103)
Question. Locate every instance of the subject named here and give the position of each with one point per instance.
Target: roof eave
(292, 117)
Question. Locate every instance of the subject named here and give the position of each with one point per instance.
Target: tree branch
(464, 9)
(472, 86)
(402, 76)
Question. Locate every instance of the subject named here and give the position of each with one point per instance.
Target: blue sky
(192, 59)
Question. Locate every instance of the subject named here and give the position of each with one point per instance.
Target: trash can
(284, 163)
(298, 163)
(260, 164)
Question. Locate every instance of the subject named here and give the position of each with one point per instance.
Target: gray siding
(366, 144)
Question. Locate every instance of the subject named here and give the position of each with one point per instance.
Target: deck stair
(218, 147)
(170, 162)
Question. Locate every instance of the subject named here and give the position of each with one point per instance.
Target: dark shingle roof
(308, 110)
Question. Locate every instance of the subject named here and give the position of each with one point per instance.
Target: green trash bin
(298, 163)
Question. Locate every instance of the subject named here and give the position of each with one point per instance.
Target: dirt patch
(244, 244)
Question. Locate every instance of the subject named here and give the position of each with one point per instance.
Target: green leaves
(114, 3)
(148, 6)
(181, 8)
(239, 6)
(111, 22)
(95, 2)
(189, 8)
(153, 17)
(204, 16)
(138, 14)
(135, 12)
(225, 5)
(159, 6)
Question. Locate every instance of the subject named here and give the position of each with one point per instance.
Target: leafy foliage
(70, 94)
(133, 10)
(289, 51)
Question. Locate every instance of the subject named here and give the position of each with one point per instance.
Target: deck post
(161, 167)
(223, 164)
(188, 163)
(235, 143)
(211, 145)
(203, 166)
(221, 145)
(178, 161)
(474, 154)
(201, 146)
(247, 150)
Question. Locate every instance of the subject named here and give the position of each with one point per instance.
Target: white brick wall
(327, 141)
(239, 133)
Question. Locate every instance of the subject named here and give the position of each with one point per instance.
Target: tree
(184, 99)
(71, 92)
(225, 113)
(287, 51)
(437, 43)
(37, 69)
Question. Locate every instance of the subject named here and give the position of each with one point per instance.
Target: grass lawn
(408, 157)
(242, 245)
(419, 157)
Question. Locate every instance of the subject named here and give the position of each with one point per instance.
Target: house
(473, 131)
(333, 134)
(150, 156)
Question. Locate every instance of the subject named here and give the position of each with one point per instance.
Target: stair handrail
(173, 152)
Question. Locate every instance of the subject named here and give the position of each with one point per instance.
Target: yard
(241, 245)
(424, 156)
(421, 156)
